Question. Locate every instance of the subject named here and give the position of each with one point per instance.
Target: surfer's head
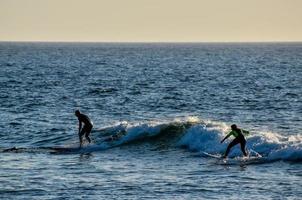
(77, 113)
(234, 127)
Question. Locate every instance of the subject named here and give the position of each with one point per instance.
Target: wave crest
(270, 145)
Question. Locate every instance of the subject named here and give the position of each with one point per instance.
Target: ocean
(169, 104)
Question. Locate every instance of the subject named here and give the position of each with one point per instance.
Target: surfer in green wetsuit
(87, 126)
(239, 138)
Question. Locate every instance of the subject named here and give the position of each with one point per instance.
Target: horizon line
(146, 42)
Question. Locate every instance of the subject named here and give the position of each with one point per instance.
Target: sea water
(169, 103)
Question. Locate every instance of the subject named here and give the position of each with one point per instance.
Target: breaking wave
(272, 146)
(191, 133)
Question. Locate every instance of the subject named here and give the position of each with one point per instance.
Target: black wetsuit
(239, 138)
(87, 126)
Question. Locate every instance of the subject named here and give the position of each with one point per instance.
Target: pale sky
(151, 20)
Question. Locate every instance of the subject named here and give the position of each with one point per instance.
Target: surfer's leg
(88, 130)
(233, 143)
(81, 140)
(81, 136)
(87, 138)
(242, 145)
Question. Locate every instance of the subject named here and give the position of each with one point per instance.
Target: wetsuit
(239, 138)
(87, 127)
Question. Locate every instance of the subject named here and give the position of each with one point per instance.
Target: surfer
(239, 138)
(87, 126)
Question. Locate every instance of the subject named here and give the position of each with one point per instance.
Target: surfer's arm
(245, 132)
(226, 137)
(80, 126)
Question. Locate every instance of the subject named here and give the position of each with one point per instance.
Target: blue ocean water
(168, 102)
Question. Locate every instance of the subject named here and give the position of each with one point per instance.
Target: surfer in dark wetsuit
(87, 126)
(239, 138)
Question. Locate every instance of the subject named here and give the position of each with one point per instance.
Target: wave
(119, 134)
(272, 146)
(124, 133)
(205, 136)
(191, 133)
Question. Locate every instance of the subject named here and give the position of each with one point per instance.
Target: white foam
(273, 146)
(205, 136)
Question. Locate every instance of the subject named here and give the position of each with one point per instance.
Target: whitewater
(167, 106)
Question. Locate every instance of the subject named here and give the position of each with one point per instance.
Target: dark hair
(77, 112)
(234, 126)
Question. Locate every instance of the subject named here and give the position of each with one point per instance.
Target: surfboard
(237, 160)
(65, 149)
(248, 160)
(218, 156)
(41, 150)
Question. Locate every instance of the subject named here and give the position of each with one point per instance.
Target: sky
(151, 20)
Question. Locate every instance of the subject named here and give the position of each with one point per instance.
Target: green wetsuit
(239, 139)
(236, 134)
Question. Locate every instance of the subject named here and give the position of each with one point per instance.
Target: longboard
(42, 150)
(65, 149)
